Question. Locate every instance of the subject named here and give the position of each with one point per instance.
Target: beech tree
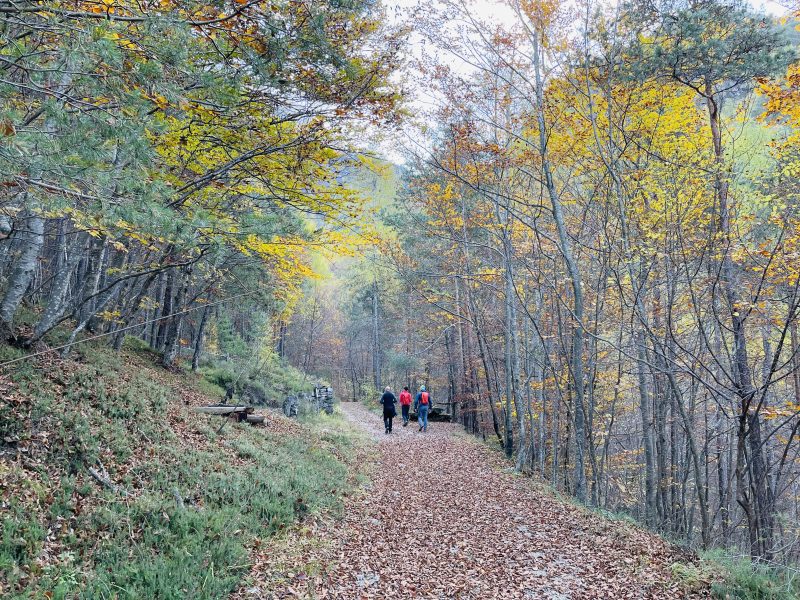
(607, 289)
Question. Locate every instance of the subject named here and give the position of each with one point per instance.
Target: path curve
(444, 519)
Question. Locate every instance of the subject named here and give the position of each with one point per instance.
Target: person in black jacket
(389, 411)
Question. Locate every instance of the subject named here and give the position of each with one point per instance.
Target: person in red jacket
(405, 404)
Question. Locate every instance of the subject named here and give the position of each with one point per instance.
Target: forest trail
(443, 518)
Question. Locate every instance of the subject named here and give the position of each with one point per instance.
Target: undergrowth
(740, 579)
(188, 499)
(261, 376)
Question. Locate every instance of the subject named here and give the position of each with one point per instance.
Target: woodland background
(589, 254)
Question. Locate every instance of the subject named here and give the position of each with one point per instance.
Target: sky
(498, 10)
(490, 11)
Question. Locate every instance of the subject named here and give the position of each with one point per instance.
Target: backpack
(423, 399)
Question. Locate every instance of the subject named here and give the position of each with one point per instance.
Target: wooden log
(435, 415)
(255, 419)
(221, 409)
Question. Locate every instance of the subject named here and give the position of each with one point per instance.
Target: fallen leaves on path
(442, 519)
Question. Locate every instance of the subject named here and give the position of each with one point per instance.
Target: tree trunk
(172, 338)
(57, 303)
(645, 403)
(309, 351)
(6, 228)
(487, 373)
(451, 373)
(759, 513)
(376, 341)
(134, 307)
(31, 240)
(463, 389)
(98, 304)
(510, 391)
(166, 309)
(198, 341)
(281, 350)
(87, 299)
(565, 246)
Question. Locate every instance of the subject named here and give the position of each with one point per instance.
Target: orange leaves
(159, 100)
(772, 413)
(438, 499)
(109, 7)
(783, 97)
(7, 128)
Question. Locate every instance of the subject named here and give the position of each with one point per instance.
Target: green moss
(219, 376)
(209, 388)
(111, 409)
(22, 538)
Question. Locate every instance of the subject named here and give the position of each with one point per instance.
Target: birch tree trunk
(31, 240)
(57, 302)
(99, 303)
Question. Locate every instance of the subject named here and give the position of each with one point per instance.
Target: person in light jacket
(422, 404)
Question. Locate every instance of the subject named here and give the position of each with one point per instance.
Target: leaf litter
(443, 518)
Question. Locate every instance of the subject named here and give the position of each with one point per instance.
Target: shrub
(219, 376)
(744, 580)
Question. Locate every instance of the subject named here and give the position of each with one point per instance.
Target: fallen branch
(221, 409)
(102, 477)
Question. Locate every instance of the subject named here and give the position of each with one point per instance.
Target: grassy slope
(64, 535)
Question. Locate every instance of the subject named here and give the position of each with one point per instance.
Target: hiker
(422, 404)
(389, 411)
(405, 404)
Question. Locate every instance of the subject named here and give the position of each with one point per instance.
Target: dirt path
(443, 519)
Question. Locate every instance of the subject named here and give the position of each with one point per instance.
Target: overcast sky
(496, 11)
